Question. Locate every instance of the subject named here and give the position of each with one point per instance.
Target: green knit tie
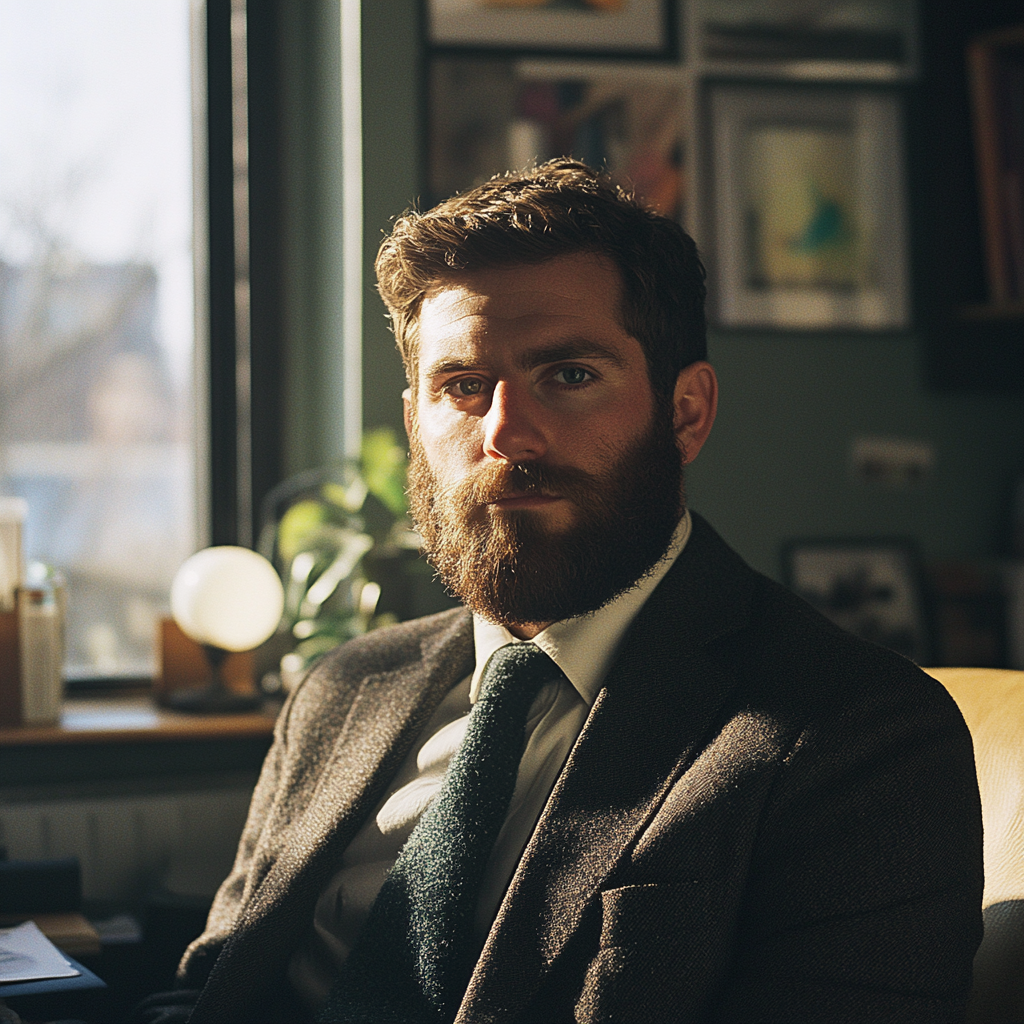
(413, 960)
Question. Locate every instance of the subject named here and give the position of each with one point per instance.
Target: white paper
(26, 954)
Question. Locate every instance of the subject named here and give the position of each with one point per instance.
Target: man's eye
(469, 387)
(572, 375)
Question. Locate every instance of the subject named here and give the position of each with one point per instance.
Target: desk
(132, 719)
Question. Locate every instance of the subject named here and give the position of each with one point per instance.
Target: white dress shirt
(583, 648)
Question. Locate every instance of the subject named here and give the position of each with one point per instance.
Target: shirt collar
(583, 647)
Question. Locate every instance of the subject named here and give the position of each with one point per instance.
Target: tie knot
(514, 675)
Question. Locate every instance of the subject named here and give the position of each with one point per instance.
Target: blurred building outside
(96, 310)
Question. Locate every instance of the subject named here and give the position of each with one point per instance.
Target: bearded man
(632, 779)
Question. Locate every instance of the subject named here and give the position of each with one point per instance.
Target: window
(97, 409)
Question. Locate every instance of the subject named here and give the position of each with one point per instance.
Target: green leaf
(384, 469)
(297, 526)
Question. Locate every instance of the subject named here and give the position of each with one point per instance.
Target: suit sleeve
(201, 954)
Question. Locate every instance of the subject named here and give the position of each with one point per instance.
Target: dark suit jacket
(764, 818)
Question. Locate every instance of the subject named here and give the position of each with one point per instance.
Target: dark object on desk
(215, 698)
(56, 998)
(40, 886)
(198, 679)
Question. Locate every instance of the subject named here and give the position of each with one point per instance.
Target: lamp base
(215, 699)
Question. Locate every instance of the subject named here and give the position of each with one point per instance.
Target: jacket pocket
(656, 960)
(627, 912)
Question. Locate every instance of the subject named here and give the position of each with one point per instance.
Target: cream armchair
(992, 703)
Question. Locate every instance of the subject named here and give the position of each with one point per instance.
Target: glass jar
(41, 603)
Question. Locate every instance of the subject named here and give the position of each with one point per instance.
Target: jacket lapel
(650, 719)
(386, 716)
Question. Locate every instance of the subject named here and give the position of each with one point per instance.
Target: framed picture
(807, 208)
(872, 588)
(489, 115)
(626, 27)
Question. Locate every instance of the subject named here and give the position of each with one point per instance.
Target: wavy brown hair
(560, 208)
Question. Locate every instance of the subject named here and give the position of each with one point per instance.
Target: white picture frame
(807, 202)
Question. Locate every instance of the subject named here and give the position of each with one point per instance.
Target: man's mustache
(515, 479)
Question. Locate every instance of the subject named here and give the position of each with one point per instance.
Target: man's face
(544, 478)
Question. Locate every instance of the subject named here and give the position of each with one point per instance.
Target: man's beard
(507, 566)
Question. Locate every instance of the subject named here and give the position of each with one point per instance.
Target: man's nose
(512, 428)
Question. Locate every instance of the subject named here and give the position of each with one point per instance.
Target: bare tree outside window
(96, 309)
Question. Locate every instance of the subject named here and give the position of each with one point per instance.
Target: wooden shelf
(134, 719)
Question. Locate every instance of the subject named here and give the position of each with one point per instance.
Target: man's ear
(407, 410)
(695, 403)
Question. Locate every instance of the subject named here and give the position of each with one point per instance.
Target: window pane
(96, 317)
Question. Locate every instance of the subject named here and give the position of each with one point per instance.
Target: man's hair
(560, 208)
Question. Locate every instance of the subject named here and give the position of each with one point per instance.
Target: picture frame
(871, 587)
(807, 207)
(490, 114)
(634, 28)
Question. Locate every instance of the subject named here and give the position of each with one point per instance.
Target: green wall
(777, 465)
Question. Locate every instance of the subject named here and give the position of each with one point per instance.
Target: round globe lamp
(227, 599)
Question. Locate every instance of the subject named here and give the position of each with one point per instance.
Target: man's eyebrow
(572, 348)
(557, 352)
(449, 365)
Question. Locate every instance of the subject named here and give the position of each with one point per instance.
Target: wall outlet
(892, 461)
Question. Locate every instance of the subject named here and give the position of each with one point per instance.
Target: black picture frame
(872, 587)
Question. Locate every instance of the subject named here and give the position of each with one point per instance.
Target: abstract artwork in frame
(872, 588)
(610, 27)
(489, 115)
(808, 207)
